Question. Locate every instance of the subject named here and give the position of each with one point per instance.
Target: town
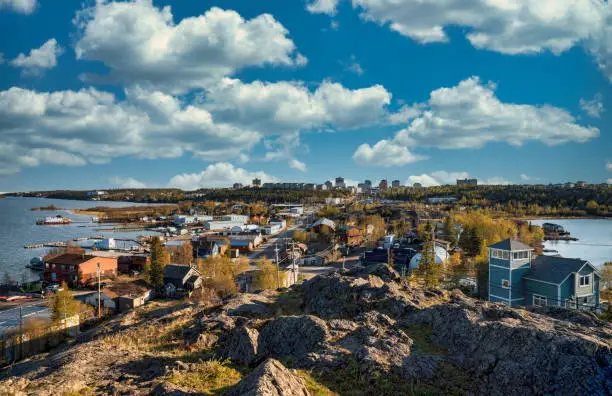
(208, 252)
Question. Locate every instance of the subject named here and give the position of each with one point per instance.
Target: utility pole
(277, 270)
(98, 273)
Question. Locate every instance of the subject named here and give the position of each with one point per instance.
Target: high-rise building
(383, 184)
(340, 182)
(395, 183)
(237, 185)
(256, 182)
(467, 182)
(329, 185)
(368, 183)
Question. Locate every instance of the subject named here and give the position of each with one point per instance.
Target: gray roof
(326, 222)
(510, 244)
(554, 269)
(175, 271)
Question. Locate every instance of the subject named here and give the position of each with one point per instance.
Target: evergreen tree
(449, 230)
(428, 268)
(158, 259)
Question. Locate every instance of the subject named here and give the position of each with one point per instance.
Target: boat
(36, 264)
(57, 220)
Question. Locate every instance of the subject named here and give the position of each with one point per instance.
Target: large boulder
(517, 352)
(249, 305)
(240, 345)
(292, 336)
(381, 270)
(270, 378)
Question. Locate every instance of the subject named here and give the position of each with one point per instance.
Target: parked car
(54, 288)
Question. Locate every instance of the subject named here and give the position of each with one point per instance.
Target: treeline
(519, 199)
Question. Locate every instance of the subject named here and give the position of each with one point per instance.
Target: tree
(220, 273)
(182, 255)
(267, 277)
(428, 268)
(63, 304)
(158, 260)
(449, 230)
(300, 236)
(606, 282)
(592, 207)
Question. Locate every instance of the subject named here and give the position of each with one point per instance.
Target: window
(539, 301)
(585, 280)
(521, 255)
(505, 283)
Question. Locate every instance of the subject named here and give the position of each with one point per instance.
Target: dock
(46, 244)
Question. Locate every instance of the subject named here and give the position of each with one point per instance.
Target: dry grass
(212, 377)
(314, 387)
(421, 335)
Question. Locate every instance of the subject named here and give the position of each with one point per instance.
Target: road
(267, 249)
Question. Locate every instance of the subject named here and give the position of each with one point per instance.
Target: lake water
(18, 228)
(594, 239)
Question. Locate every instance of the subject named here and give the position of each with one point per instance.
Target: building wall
(496, 275)
(584, 290)
(88, 269)
(547, 290)
(567, 289)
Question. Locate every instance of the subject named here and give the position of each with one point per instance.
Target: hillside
(358, 333)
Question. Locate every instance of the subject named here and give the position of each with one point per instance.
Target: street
(267, 249)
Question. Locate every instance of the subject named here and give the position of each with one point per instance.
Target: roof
(70, 258)
(554, 269)
(176, 271)
(326, 222)
(510, 244)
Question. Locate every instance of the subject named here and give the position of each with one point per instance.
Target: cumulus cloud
(469, 115)
(323, 6)
(143, 44)
(439, 178)
(39, 59)
(354, 67)
(93, 126)
(609, 166)
(126, 182)
(288, 106)
(220, 174)
(384, 153)
(593, 107)
(20, 6)
(298, 165)
(436, 178)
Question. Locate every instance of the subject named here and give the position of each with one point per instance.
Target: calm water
(594, 239)
(18, 228)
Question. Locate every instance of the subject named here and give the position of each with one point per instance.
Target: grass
(421, 336)
(353, 380)
(288, 303)
(314, 387)
(212, 377)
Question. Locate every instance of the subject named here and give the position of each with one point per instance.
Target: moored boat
(57, 220)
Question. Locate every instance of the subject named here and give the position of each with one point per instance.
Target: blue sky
(197, 94)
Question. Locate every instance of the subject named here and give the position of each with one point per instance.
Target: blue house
(518, 277)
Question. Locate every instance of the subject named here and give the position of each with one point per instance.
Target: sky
(191, 94)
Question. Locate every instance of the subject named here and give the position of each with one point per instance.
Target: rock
(292, 336)
(240, 345)
(220, 321)
(196, 338)
(383, 271)
(168, 389)
(249, 305)
(270, 378)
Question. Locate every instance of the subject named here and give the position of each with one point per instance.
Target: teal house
(518, 277)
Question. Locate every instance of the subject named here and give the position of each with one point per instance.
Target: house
(120, 296)
(181, 278)
(516, 278)
(205, 249)
(351, 235)
(324, 224)
(134, 263)
(79, 270)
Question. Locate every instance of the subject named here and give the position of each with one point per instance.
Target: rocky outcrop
(240, 345)
(292, 337)
(249, 305)
(168, 389)
(270, 378)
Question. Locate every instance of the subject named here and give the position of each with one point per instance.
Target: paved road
(267, 249)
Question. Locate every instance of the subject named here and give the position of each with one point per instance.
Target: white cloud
(1, 58)
(93, 126)
(142, 44)
(405, 114)
(355, 67)
(21, 6)
(299, 165)
(384, 153)
(441, 177)
(527, 178)
(593, 107)
(288, 106)
(609, 166)
(334, 25)
(127, 182)
(220, 174)
(600, 45)
(437, 178)
(323, 6)
(39, 59)
(511, 27)
(469, 115)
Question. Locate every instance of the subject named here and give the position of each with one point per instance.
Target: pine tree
(428, 268)
(449, 230)
(156, 269)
